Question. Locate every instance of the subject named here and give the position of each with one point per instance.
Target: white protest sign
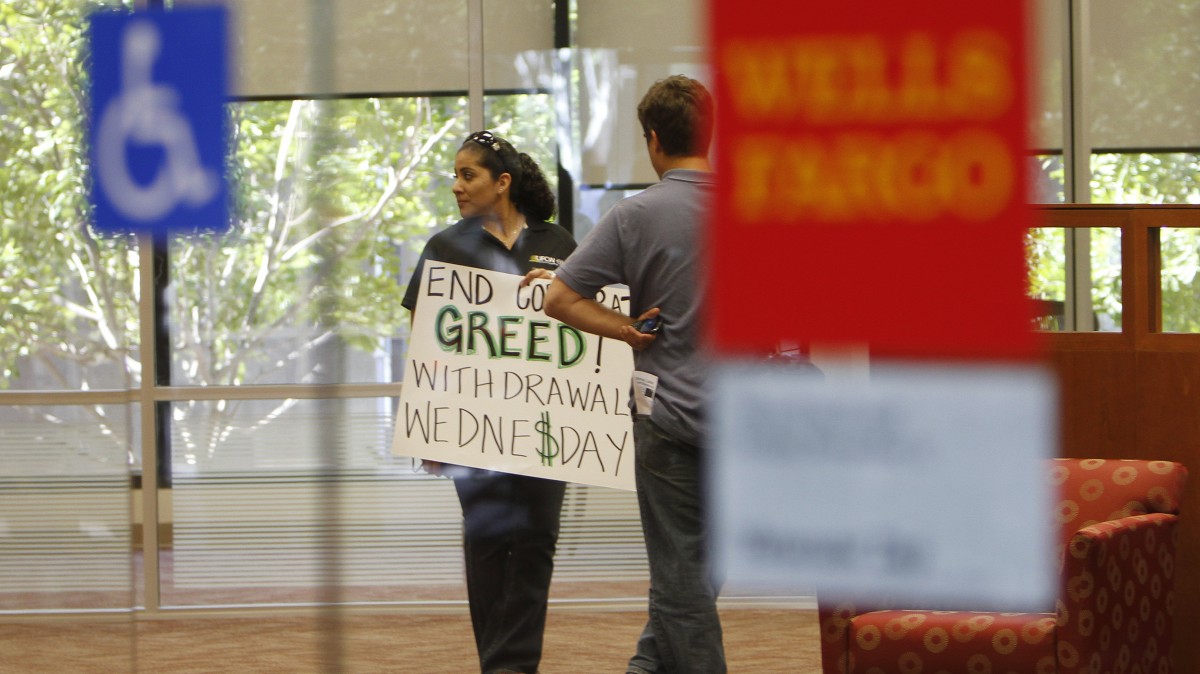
(921, 484)
(492, 382)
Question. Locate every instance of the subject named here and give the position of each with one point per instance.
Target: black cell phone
(649, 326)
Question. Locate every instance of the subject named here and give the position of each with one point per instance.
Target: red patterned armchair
(1114, 611)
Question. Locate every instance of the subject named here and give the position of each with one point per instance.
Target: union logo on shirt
(545, 259)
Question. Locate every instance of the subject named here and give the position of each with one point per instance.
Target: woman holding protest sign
(510, 522)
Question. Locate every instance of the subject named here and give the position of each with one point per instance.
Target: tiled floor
(757, 641)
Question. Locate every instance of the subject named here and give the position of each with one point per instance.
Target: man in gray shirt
(651, 242)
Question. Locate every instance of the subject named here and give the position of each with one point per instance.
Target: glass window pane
(528, 122)
(65, 516)
(242, 305)
(1046, 177)
(1107, 308)
(1145, 178)
(1180, 287)
(593, 203)
(1046, 255)
(68, 317)
(1046, 252)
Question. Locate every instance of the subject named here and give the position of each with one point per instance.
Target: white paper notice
(492, 382)
(645, 385)
(925, 484)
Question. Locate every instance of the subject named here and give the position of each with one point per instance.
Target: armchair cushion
(953, 642)
(1096, 490)
(1117, 607)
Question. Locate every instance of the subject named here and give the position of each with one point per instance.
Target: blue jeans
(510, 530)
(683, 634)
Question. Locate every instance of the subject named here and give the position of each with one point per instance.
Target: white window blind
(518, 43)
(1143, 89)
(1044, 65)
(623, 48)
(260, 517)
(386, 46)
(379, 46)
(65, 533)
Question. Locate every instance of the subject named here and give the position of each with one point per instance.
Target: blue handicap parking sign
(157, 125)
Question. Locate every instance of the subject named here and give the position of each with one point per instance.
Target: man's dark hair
(680, 110)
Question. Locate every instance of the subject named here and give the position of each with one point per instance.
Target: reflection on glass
(593, 203)
(65, 517)
(1180, 287)
(242, 305)
(1046, 179)
(528, 122)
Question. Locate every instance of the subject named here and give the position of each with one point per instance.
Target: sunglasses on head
(485, 138)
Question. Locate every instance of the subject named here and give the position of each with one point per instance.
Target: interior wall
(1135, 395)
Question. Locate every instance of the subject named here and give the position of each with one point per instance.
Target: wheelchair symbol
(147, 114)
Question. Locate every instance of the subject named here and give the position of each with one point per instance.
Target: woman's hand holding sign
(536, 274)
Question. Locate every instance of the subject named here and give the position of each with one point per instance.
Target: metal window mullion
(564, 41)
(1078, 312)
(147, 406)
(475, 64)
(1077, 164)
(322, 55)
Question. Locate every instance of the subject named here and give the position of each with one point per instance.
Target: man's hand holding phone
(642, 332)
(648, 326)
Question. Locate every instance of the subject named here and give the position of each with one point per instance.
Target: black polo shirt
(541, 245)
